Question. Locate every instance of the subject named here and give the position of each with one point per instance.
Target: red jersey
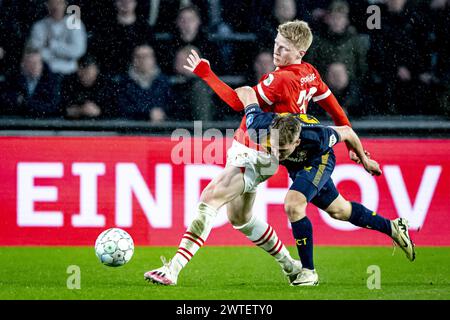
(287, 89)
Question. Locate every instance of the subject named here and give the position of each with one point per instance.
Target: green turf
(236, 273)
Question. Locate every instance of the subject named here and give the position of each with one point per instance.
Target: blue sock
(365, 218)
(303, 235)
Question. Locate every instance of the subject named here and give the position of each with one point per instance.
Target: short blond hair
(297, 32)
(288, 127)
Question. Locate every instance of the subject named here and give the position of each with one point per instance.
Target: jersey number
(304, 98)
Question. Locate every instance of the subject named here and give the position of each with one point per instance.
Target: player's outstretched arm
(349, 136)
(202, 69)
(334, 109)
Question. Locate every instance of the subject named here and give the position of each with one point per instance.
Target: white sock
(194, 237)
(265, 237)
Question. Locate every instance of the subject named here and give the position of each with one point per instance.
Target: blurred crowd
(123, 59)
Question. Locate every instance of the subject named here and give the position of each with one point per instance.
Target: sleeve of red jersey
(326, 99)
(225, 92)
(270, 88)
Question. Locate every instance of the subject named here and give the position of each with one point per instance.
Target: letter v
(415, 211)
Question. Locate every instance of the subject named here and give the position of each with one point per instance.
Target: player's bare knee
(295, 210)
(237, 219)
(341, 211)
(336, 214)
(295, 205)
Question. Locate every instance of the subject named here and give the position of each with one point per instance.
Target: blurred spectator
(347, 93)
(239, 15)
(114, 43)
(393, 59)
(34, 92)
(430, 31)
(282, 11)
(60, 45)
(19, 16)
(358, 14)
(27, 12)
(340, 43)
(95, 13)
(161, 15)
(263, 64)
(87, 94)
(262, 18)
(10, 40)
(309, 11)
(3, 54)
(190, 32)
(192, 98)
(441, 69)
(408, 69)
(144, 93)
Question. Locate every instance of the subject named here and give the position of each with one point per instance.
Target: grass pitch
(231, 273)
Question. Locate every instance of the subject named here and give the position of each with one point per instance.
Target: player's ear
(302, 53)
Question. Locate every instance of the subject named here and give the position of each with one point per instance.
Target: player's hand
(403, 73)
(355, 158)
(372, 167)
(193, 61)
(426, 77)
(157, 115)
(73, 112)
(90, 109)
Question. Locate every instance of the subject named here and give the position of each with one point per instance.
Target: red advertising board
(66, 190)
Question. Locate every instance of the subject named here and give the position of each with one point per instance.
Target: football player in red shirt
(288, 89)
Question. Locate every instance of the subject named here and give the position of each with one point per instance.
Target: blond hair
(297, 32)
(288, 128)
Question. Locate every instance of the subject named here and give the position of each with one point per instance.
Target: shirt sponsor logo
(298, 156)
(269, 80)
(308, 78)
(333, 140)
(249, 120)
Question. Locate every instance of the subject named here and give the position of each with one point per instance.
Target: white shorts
(257, 166)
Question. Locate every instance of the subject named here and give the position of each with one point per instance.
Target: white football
(114, 247)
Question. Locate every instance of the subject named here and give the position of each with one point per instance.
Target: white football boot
(163, 275)
(297, 268)
(401, 237)
(306, 278)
